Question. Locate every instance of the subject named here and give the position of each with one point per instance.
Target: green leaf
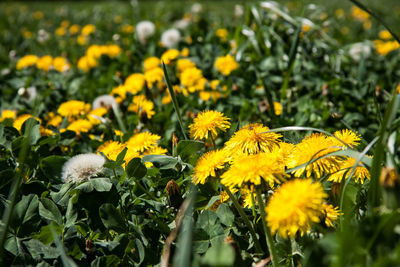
(161, 161)
(45, 235)
(111, 218)
(136, 168)
(48, 210)
(219, 255)
(31, 129)
(62, 197)
(13, 245)
(98, 184)
(225, 214)
(52, 166)
(38, 250)
(17, 144)
(188, 148)
(26, 208)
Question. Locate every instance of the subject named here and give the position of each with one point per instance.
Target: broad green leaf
(225, 215)
(136, 168)
(111, 218)
(161, 161)
(38, 250)
(49, 210)
(188, 148)
(45, 235)
(26, 208)
(98, 184)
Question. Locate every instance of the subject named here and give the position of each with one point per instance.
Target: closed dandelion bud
(389, 177)
(89, 246)
(174, 194)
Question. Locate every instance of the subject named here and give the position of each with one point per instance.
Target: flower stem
(244, 217)
(268, 235)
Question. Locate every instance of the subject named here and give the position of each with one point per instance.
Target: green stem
(244, 217)
(268, 235)
(291, 252)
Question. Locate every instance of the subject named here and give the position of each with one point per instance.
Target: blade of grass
(374, 191)
(174, 100)
(304, 128)
(352, 171)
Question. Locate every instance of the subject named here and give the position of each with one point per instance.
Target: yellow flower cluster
(94, 53)
(45, 63)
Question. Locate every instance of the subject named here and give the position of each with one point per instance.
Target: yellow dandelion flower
(359, 14)
(155, 150)
(360, 174)
(347, 136)
(295, 206)
(330, 214)
(73, 108)
(17, 124)
(134, 83)
(151, 63)
(314, 146)
(208, 122)
(74, 29)
(226, 64)
(222, 34)
(142, 141)
(190, 76)
(142, 106)
(113, 51)
(8, 114)
(277, 108)
(248, 194)
(80, 126)
(61, 64)
(26, 61)
(127, 28)
(60, 31)
(252, 139)
(252, 169)
(185, 52)
(95, 115)
(282, 151)
(208, 164)
(169, 56)
(183, 64)
(385, 35)
(88, 29)
(119, 93)
(45, 63)
(53, 119)
(154, 76)
(111, 149)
